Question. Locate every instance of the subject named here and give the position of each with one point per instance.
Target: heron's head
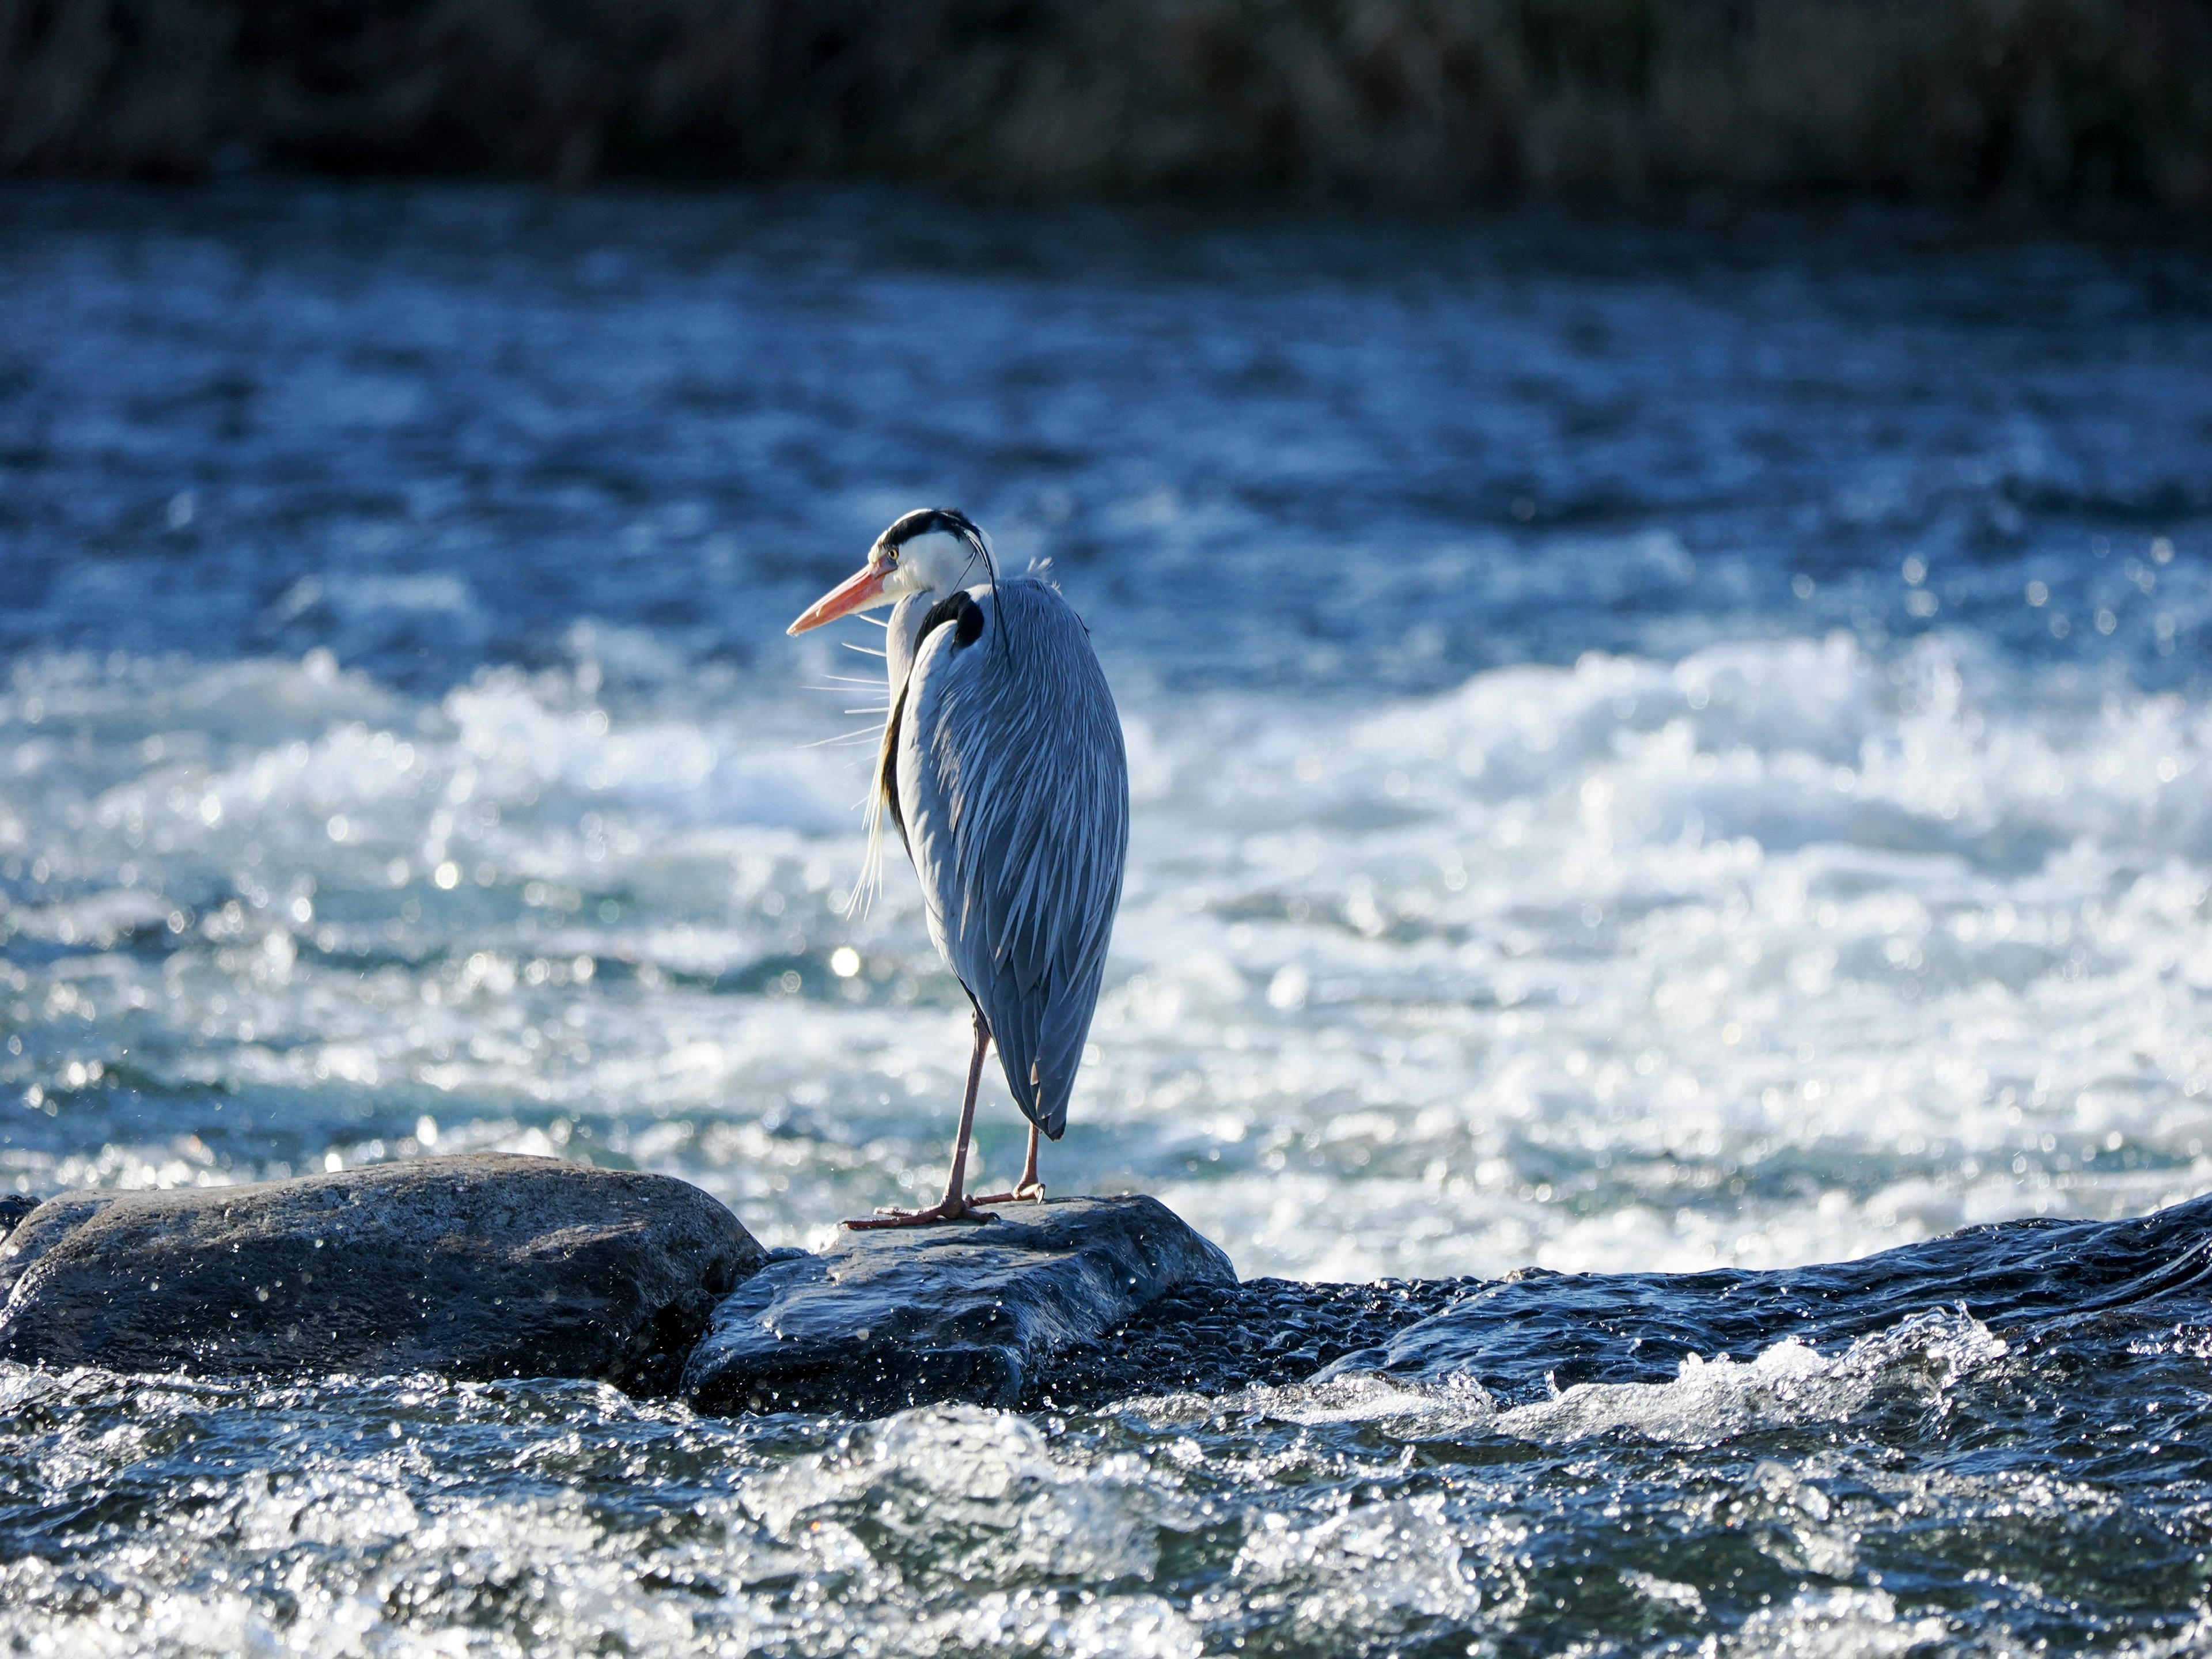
(932, 550)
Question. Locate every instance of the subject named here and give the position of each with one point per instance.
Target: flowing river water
(1653, 747)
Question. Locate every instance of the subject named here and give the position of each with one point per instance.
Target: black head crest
(927, 520)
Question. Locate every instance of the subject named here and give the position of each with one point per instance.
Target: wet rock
(962, 1311)
(1527, 1335)
(1532, 1333)
(480, 1266)
(1210, 1339)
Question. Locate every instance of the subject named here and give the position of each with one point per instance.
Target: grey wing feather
(1013, 794)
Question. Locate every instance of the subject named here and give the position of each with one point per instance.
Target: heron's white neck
(902, 637)
(901, 640)
(929, 568)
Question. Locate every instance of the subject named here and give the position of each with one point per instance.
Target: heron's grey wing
(1014, 792)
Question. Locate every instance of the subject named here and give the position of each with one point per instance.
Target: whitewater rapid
(1773, 953)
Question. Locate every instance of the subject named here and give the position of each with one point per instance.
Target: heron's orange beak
(848, 596)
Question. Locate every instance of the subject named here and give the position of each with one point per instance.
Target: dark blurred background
(2068, 103)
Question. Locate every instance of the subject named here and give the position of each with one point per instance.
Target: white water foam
(1785, 1384)
(1772, 954)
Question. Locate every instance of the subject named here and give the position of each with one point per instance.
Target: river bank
(2062, 103)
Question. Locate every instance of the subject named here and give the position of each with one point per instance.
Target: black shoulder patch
(957, 607)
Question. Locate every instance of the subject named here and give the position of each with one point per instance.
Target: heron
(1001, 765)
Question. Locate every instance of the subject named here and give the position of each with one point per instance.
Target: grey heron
(1001, 764)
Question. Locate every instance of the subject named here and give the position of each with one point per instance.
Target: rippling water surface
(1652, 748)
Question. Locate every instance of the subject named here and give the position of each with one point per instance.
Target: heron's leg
(1029, 1186)
(954, 1204)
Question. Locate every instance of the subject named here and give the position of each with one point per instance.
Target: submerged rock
(1525, 1336)
(962, 1310)
(481, 1265)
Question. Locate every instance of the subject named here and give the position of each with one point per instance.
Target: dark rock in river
(1211, 1338)
(481, 1265)
(497, 1266)
(959, 1311)
(2031, 1282)
(2039, 1285)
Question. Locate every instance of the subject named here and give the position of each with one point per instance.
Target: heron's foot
(1028, 1192)
(947, 1209)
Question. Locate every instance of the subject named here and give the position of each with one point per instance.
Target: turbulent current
(1653, 750)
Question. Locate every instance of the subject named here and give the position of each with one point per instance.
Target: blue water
(1655, 746)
